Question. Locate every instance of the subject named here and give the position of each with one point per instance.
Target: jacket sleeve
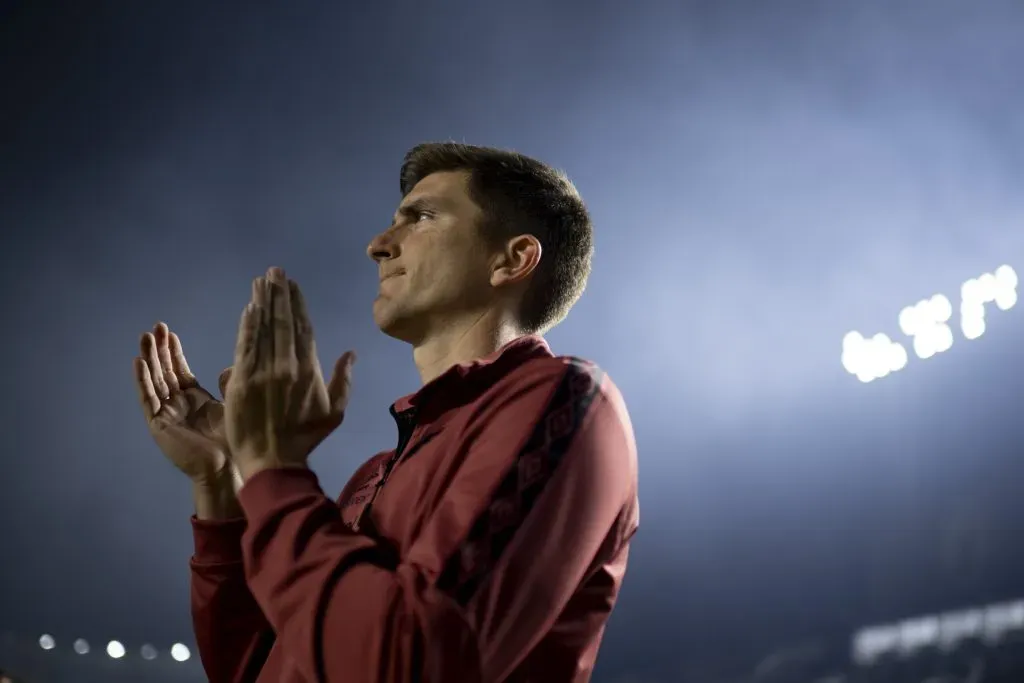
(231, 632)
(495, 565)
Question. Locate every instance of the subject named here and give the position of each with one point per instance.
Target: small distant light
(47, 642)
(180, 653)
(1007, 277)
(897, 358)
(148, 652)
(115, 649)
(940, 308)
(972, 327)
(1006, 299)
(81, 646)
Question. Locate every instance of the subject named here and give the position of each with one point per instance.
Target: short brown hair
(517, 195)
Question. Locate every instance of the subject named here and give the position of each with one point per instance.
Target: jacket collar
(460, 380)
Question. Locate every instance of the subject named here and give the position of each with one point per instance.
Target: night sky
(763, 178)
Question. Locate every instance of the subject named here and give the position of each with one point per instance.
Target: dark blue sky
(763, 178)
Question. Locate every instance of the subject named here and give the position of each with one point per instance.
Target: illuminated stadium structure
(929, 324)
(989, 625)
(50, 659)
(981, 644)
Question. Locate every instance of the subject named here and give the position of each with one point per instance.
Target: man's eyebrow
(419, 204)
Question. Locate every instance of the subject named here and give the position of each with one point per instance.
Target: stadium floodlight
(947, 631)
(871, 359)
(115, 649)
(927, 323)
(81, 646)
(47, 642)
(1006, 287)
(180, 653)
(998, 287)
(148, 652)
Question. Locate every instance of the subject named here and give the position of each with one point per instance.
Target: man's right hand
(186, 421)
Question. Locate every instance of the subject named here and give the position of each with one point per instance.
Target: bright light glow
(946, 631)
(940, 309)
(987, 287)
(927, 323)
(972, 327)
(897, 357)
(1006, 277)
(47, 642)
(871, 359)
(180, 653)
(115, 649)
(851, 356)
(972, 310)
(909, 324)
(81, 646)
(148, 651)
(1006, 299)
(999, 287)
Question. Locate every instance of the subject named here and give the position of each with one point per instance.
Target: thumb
(341, 381)
(222, 381)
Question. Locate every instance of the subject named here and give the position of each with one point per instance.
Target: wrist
(216, 497)
(248, 468)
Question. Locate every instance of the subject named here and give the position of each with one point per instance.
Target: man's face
(434, 266)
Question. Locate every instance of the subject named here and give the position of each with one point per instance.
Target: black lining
(523, 484)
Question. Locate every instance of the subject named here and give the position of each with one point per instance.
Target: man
(491, 543)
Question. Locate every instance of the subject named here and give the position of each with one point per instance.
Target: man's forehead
(444, 187)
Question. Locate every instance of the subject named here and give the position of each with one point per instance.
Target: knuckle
(286, 374)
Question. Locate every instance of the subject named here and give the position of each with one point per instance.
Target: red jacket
(488, 546)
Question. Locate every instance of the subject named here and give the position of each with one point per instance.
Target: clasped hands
(277, 407)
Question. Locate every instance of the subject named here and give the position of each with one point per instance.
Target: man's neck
(459, 344)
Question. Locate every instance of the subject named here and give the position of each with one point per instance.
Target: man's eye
(423, 216)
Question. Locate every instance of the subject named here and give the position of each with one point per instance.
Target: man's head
(480, 231)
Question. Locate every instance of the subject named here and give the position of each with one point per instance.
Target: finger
(147, 393)
(259, 291)
(222, 380)
(341, 382)
(262, 343)
(156, 373)
(282, 321)
(178, 363)
(163, 349)
(302, 327)
(246, 361)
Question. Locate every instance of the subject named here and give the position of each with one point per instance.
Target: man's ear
(517, 261)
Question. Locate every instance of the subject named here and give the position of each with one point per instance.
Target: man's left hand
(277, 408)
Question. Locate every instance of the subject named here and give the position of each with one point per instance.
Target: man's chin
(396, 327)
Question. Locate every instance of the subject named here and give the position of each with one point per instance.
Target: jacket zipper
(406, 425)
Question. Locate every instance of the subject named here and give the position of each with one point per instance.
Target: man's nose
(382, 247)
